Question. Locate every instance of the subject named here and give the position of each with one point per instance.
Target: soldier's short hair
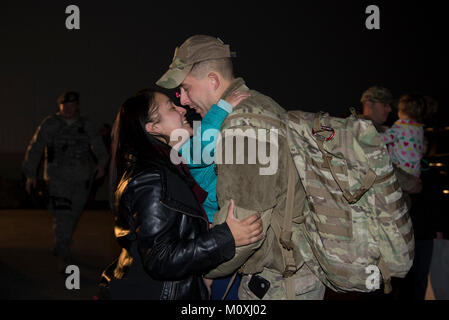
(222, 66)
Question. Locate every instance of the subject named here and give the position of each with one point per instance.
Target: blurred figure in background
(405, 139)
(95, 192)
(67, 139)
(376, 106)
(407, 149)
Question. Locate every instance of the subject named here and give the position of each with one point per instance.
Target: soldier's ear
(367, 106)
(214, 80)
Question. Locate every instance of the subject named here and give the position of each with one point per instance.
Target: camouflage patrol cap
(195, 49)
(377, 94)
(68, 96)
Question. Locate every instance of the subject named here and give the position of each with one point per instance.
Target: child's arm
(218, 113)
(212, 121)
(392, 134)
(209, 130)
(214, 118)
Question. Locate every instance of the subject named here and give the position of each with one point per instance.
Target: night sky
(314, 55)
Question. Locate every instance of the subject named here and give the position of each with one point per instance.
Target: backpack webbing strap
(386, 275)
(385, 178)
(290, 288)
(286, 235)
(288, 258)
(367, 180)
(231, 282)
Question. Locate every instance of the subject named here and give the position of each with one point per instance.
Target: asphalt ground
(28, 269)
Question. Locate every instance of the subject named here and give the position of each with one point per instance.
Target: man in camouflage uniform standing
(67, 139)
(203, 69)
(376, 103)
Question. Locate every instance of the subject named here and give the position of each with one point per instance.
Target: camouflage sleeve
(252, 189)
(35, 149)
(96, 142)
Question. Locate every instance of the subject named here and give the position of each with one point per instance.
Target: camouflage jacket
(252, 191)
(67, 149)
(407, 181)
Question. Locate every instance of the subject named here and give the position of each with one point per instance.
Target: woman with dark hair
(159, 221)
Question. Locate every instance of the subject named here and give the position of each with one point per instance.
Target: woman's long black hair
(132, 144)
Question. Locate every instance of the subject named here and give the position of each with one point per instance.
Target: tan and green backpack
(356, 221)
(356, 218)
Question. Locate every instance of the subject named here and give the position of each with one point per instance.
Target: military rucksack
(355, 221)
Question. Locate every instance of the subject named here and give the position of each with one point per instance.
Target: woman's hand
(245, 231)
(236, 97)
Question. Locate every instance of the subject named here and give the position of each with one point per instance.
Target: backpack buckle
(286, 240)
(289, 271)
(323, 129)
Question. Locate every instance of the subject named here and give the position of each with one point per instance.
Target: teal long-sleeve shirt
(199, 153)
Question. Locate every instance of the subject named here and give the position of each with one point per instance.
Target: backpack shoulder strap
(285, 234)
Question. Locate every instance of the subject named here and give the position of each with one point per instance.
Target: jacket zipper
(173, 291)
(186, 213)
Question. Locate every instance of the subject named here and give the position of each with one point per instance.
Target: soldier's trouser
(307, 286)
(66, 203)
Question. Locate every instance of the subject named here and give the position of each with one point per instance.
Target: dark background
(310, 55)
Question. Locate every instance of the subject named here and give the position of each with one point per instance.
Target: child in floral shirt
(405, 138)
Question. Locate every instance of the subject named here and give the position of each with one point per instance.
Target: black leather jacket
(166, 244)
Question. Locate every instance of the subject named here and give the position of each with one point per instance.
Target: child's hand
(236, 97)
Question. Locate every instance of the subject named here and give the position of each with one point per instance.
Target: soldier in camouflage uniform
(67, 139)
(202, 68)
(376, 103)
